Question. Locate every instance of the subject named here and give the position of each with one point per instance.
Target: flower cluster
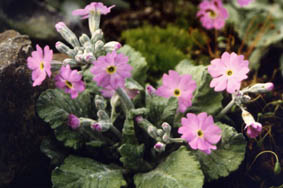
(212, 14)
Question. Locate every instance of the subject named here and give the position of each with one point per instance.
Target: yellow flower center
(111, 69)
(229, 72)
(68, 84)
(177, 92)
(41, 66)
(211, 14)
(200, 133)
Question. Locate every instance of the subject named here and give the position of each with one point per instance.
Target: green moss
(164, 48)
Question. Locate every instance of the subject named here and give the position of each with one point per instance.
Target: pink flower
(243, 3)
(180, 86)
(92, 8)
(212, 14)
(70, 81)
(228, 72)
(111, 71)
(40, 64)
(253, 129)
(73, 121)
(200, 132)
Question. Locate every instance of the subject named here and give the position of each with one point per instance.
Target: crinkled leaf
(53, 150)
(90, 84)
(54, 106)
(138, 63)
(132, 84)
(79, 172)
(161, 109)
(132, 157)
(227, 158)
(181, 169)
(205, 99)
(169, 111)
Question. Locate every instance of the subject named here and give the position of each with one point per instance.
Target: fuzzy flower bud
(61, 47)
(96, 127)
(253, 128)
(151, 130)
(166, 127)
(100, 103)
(73, 121)
(150, 89)
(111, 46)
(261, 88)
(159, 147)
(139, 119)
(67, 34)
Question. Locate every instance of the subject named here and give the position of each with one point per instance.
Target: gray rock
(20, 130)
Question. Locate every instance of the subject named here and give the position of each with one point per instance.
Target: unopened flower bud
(61, 47)
(253, 128)
(112, 46)
(139, 119)
(160, 132)
(96, 127)
(67, 34)
(166, 138)
(73, 121)
(98, 35)
(102, 115)
(166, 127)
(159, 147)
(83, 39)
(100, 103)
(150, 89)
(98, 46)
(261, 88)
(151, 130)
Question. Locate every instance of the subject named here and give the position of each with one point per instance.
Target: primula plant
(113, 129)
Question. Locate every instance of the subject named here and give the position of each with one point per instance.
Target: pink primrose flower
(92, 8)
(244, 3)
(73, 121)
(40, 64)
(212, 14)
(228, 72)
(253, 128)
(111, 71)
(180, 86)
(200, 132)
(70, 80)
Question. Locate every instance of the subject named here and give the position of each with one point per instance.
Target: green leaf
(169, 111)
(90, 84)
(132, 157)
(79, 172)
(52, 150)
(227, 158)
(138, 63)
(205, 99)
(181, 169)
(54, 106)
(133, 85)
(161, 109)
